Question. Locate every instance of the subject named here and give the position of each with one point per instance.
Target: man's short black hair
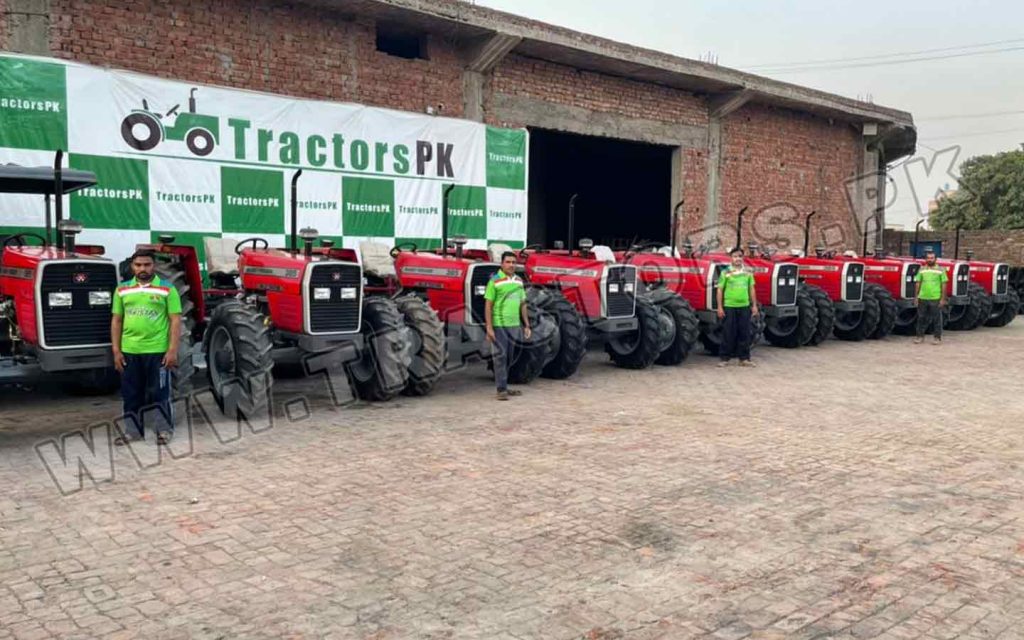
(735, 251)
(144, 253)
(929, 253)
(507, 254)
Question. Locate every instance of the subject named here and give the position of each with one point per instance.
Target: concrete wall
(756, 156)
(991, 245)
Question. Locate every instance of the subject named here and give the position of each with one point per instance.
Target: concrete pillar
(719, 107)
(481, 57)
(28, 26)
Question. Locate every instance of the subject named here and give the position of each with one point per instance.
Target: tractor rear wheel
(430, 350)
(687, 325)
(1006, 312)
(530, 356)
(571, 345)
(382, 371)
(826, 315)
(238, 346)
(638, 349)
(855, 326)
(796, 331)
(887, 310)
(966, 317)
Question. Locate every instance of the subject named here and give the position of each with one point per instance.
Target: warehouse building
(629, 131)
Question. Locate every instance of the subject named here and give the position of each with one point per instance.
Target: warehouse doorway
(624, 189)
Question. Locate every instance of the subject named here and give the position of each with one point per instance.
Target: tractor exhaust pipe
(807, 231)
(956, 245)
(444, 219)
(572, 222)
(675, 226)
(295, 211)
(739, 228)
(309, 236)
(192, 100)
(58, 194)
(864, 252)
(68, 229)
(917, 230)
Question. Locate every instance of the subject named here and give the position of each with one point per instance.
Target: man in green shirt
(737, 302)
(931, 298)
(144, 331)
(504, 314)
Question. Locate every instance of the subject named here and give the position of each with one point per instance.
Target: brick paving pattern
(819, 496)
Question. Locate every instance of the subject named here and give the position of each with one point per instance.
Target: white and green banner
(195, 160)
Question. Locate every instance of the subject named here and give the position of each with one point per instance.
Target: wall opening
(624, 189)
(401, 43)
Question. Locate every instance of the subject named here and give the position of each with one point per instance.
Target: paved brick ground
(849, 491)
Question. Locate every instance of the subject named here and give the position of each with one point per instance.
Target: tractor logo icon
(81, 278)
(336, 275)
(143, 129)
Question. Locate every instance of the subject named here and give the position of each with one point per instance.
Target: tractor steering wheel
(20, 237)
(539, 248)
(403, 246)
(643, 246)
(254, 241)
(173, 110)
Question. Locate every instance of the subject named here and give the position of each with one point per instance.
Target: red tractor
(965, 301)
(55, 298)
(990, 281)
(279, 306)
(639, 327)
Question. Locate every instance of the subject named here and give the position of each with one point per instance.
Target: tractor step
(614, 325)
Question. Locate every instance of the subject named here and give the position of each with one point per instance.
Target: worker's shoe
(502, 395)
(918, 340)
(723, 363)
(747, 363)
(937, 341)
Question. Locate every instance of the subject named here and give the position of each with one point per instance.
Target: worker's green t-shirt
(146, 310)
(736, 287)
(507, 294)
(931, 279)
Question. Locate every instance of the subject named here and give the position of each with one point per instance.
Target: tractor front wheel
(1006, 312)
(797, 331)
(430, 353)
(686, 324)
(638, 349)
(571, 345)
(826, 315)
(854, 326)
(382, 371)
(200, 142)
(968, 316)
(530, 356)
(238, 346)
(887, 310)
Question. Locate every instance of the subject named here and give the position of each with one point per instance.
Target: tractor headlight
(792, 282)
(628, 287)
(60, 299)
(860, 279)
(99, 298)
(480, 290)
(348, 293)
(613, 288)
(321, 293)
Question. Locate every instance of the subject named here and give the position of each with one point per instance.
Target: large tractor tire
(906, 321)
(858, 325)
(887, 310)
(571, 343)
(172, 274)
(238, 346)
(530, 357)
(96, 382)
(712, 339)
(826, 315)
(986, 306)
(382, 371)
(430, 346)
(685, 326)
(640, 348)
(967, 317)
(1006, 312)
(793, 332)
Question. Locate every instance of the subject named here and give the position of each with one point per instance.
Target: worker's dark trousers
(146, 391)
(929, 314)
(503, 350)
(736, 334)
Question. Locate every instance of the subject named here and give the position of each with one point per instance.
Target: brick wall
(990, 245)
(260, 45)
(783, 165)
(3, 24)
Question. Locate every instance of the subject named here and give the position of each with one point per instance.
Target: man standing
(144, 331)
(930, 292)
(737, 301)
(504, 313)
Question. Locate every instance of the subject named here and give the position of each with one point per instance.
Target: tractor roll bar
(572, 222)
(807, 231)
(295, 212)
(58, 194)
(444, 219)
(675, 225)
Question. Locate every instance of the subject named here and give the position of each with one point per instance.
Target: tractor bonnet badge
(335, 275)
(81, 278)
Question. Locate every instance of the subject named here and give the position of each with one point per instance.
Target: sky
(952, 93)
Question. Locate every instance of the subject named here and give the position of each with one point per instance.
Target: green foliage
(991, 195)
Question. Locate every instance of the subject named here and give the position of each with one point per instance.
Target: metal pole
(572, 221)
(58, 193)
(675, 226)
(956, 247)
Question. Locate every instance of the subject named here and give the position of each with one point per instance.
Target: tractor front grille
(620, 291)
(340, 311)
(909, 280)
(1002, 279)
(962, 279)
(82, 324)
(785, 284)
(479, 276)
(853, 287)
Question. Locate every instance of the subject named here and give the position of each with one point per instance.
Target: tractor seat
(603, 253)
(496, 249)
(377, 259)
(221, 261)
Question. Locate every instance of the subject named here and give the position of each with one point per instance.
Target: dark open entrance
(624, 189)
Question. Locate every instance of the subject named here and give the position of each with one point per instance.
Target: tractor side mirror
(69, 229)
(309, 236)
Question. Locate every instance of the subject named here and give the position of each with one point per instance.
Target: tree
(991, 195)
